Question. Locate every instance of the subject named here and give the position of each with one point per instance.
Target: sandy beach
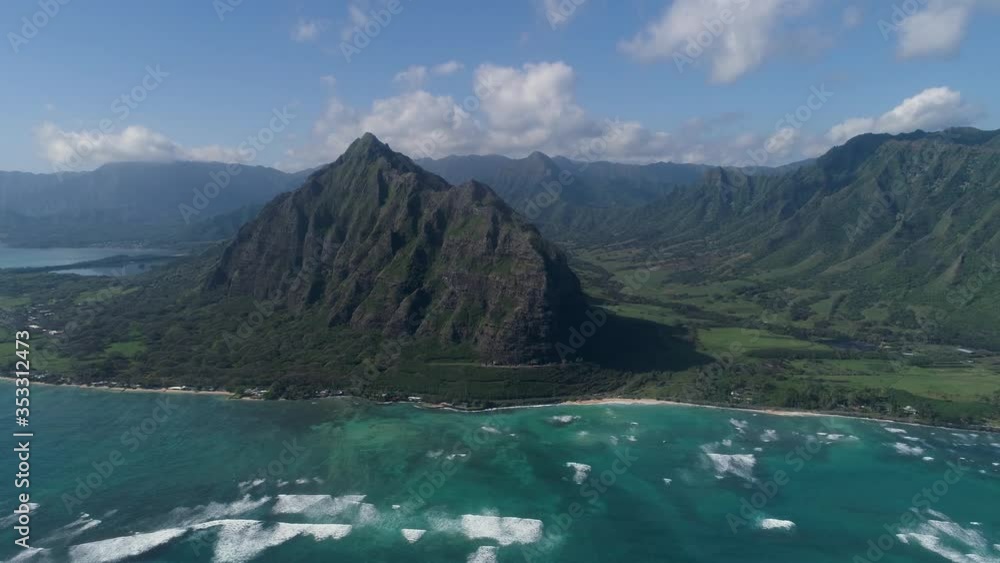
(126, 389)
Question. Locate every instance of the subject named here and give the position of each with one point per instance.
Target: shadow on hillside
(637, 345)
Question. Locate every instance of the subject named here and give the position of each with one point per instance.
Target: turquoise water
(339, 480)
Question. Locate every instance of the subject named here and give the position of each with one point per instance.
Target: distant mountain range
(177, 202)
(133, 201)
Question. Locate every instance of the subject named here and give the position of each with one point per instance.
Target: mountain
(594, 184)
(564, 196)
(570, 199)
(909, 221)
(131, 201)
(378, 244)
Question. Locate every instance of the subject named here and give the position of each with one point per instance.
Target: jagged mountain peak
(376, 243)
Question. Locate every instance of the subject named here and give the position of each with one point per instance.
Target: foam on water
(184, 516)
(29, 554)
(775, 524)
(927, 458)
(739, 425)
(769, 436)
(505, 530)
(367, 513)
(933, 544)
(119, 549)
(580, 471)
(243, 540)
(563, 419)
(70, 531)
(490, 429)
(667, 481)
(485, 554)
(740, 465)
(325, 505)
(412, 535)
(970, 538)
(907, 449)
(895, 430)
(8, 521)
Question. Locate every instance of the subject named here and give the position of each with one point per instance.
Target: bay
(184, 478)
(11, 257)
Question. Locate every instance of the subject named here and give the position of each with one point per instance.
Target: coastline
(126, 389)
(663, 402)
(621, 401)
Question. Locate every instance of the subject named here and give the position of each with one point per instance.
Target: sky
(290, 84)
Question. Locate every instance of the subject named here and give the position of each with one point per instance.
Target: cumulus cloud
(733, 36)
(516, 110)
(306, 30)
(446, 68)
(413, 77)
(80, 150)
(932, 109)
(935, 30)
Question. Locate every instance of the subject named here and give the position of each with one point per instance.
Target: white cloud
(81, 150)
(938, 29)
(306, 30)
(932, 109)
(935, 30)
(734, 36)
(517, 110)
(328, 80)
(414, 77)
(446, 68)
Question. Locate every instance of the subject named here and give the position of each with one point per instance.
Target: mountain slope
(907, 221)
(562, 196)
(132, 200)
(378, 244)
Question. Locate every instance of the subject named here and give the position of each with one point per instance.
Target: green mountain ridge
(381, 245)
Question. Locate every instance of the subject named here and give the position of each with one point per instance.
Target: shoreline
(621, 401)
(664, 402)
(126, 389)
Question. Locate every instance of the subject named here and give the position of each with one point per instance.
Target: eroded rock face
(376, 242)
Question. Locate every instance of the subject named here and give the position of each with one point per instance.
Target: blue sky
(584, 78)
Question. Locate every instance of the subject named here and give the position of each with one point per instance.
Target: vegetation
(775, 288)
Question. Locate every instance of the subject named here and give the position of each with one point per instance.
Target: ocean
(184, 478)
